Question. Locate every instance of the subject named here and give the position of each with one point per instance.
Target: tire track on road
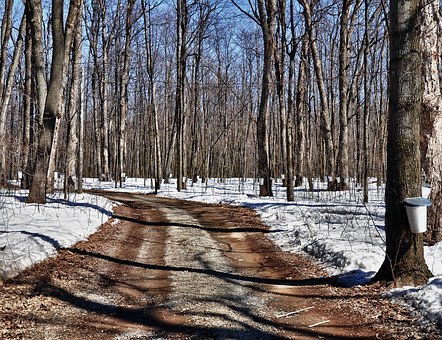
(227, 305)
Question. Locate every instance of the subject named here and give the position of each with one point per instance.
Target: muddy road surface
(167, 269)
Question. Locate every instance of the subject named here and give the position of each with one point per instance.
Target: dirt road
(169, 269)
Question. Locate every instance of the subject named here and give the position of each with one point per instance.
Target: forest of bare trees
(202, 88)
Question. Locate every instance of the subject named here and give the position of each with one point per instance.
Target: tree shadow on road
(195, 226)
(211, 272)
(148, 318)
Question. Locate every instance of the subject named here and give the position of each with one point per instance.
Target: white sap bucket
(426, 190)
(416, 208)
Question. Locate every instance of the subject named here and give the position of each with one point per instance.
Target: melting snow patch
(426, 300)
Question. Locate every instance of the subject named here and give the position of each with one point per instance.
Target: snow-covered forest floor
(335, 228)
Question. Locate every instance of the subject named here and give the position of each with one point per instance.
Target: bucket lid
(417, 202)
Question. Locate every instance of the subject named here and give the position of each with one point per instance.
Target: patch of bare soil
(168, 269)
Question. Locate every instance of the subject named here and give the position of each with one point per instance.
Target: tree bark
(182, 27)
(301, 100)
(326, 124)
(289, 180)
(104, 127)
(6, 95)
(27, 110)
(366, 104)
(267, 22)
(285, 126)
(38, 81)
(72, 113)
(123, 104)
(431, 118)
(61, 42)
(6, 30)
(404, 261)
(344, 38)
(81, 133)
(345, 34)
(150, 64)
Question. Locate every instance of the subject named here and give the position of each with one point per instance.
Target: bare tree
(6, 88)
(264, 14)
(366, 102)
(104, 94)
(123, 102)
(181, 52)
(291, 51)
(61, 41)
(81, 133)
(301, 114)
(150, 65)
(70, 182)
(205, 12)
(345, 34)
(28, 134)
(92, 25)
(431, 118)
(266, 17)
(326, 124)
(404, 261)
(285, 127)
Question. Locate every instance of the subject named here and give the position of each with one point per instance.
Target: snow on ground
(341, 233)
(30, 232)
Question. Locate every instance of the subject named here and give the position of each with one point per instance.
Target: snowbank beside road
(29, 232)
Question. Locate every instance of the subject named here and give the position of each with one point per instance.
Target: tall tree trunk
(169, 143)
(301, 101)
(50, 181)
(289, 180)
(366, 103)
(431, 118)
(267, 22)
(182, 26)
(81, 133)
(6, 95)
(97, 121)
(152, 92)
(61, 43)
(68, 38)
(344, 65)
(123, 104)
(6, 30)
(204, 14)
(326, 124)
(72, 113)
(27, 109)
(104, 80)
(196, 115)
(345, 35)
(280, 51)
(34, 19)
(46, 121)
(404, 261)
